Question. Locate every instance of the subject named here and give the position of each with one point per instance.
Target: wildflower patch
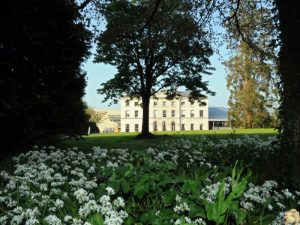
(183, 182)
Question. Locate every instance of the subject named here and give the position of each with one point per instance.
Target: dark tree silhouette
(42, 46)
(289, 67)
(164, 54)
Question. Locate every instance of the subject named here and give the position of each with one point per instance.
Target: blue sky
(98, 73)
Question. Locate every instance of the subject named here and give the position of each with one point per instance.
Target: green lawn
(127, 140)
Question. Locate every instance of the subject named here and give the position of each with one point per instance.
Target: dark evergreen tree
(42, 46)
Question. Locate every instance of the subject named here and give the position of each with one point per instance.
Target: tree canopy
(248, 81)
(172, 52)
(42, 46)
(251, 75)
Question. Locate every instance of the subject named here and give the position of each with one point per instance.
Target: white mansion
(165, 115)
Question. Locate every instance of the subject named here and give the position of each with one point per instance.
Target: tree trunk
(145, 125)
(289, 68)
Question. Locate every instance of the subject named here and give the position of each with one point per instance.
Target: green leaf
(166, 214)
(148, 217)
(125, 187)
(169, 197)
(96, 219)
(190, 185)
(216, 211)
(220, 194)
(129, 221)
(196, 211)
(139, 191)
(241, 216)
(238, 189)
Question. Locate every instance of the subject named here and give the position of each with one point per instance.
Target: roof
(184, 93)
(110, 111)
(217, 113)
(115, 118)
(163, 95)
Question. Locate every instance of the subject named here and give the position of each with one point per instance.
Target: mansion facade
(165, 115)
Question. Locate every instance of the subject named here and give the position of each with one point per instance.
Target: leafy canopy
(42, 46)
(171, 52)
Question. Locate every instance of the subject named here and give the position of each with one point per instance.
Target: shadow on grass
(130, 140)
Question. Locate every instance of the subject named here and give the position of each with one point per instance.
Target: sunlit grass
(127, 140)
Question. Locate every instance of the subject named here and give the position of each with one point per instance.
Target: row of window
(164, 127)
(163, 103)
(164, 113)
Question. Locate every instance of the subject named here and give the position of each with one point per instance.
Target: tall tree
(289, 68)
(286, 16)
(169, 52)
(248, 81)
(251, 75)
(42, 46)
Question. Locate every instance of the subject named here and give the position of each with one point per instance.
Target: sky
(98, 73)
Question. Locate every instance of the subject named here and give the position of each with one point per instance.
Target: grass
(127, 140)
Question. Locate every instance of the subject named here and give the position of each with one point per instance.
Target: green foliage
(96, 219)
(42, 46)
(252, 68)
(95, 116)
(171, 52)
(173, 183)
(249, 82)
(222, 208)
(288, 22)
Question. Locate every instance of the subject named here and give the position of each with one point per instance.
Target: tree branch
(248, 41)
(83, 5)
(150, 18)
(209, 8)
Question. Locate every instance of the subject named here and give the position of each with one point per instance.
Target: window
(164, 113)
(192, 103)
(192, 113)
(182, 103)
(155, 126)
(127, 113)
(164, 126)
(173, 113)
(172, 103)
(173, 126)
(136, 104)
(127, 128)
(192, 126)
(201, 126)
(127, 102)
(182, 127)
(136, 127)
(201, 113)
(155, 114)
(136, 113)
(164, 103)
(183, 113)
(155, 103)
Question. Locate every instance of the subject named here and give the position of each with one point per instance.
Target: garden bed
(176, 182)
